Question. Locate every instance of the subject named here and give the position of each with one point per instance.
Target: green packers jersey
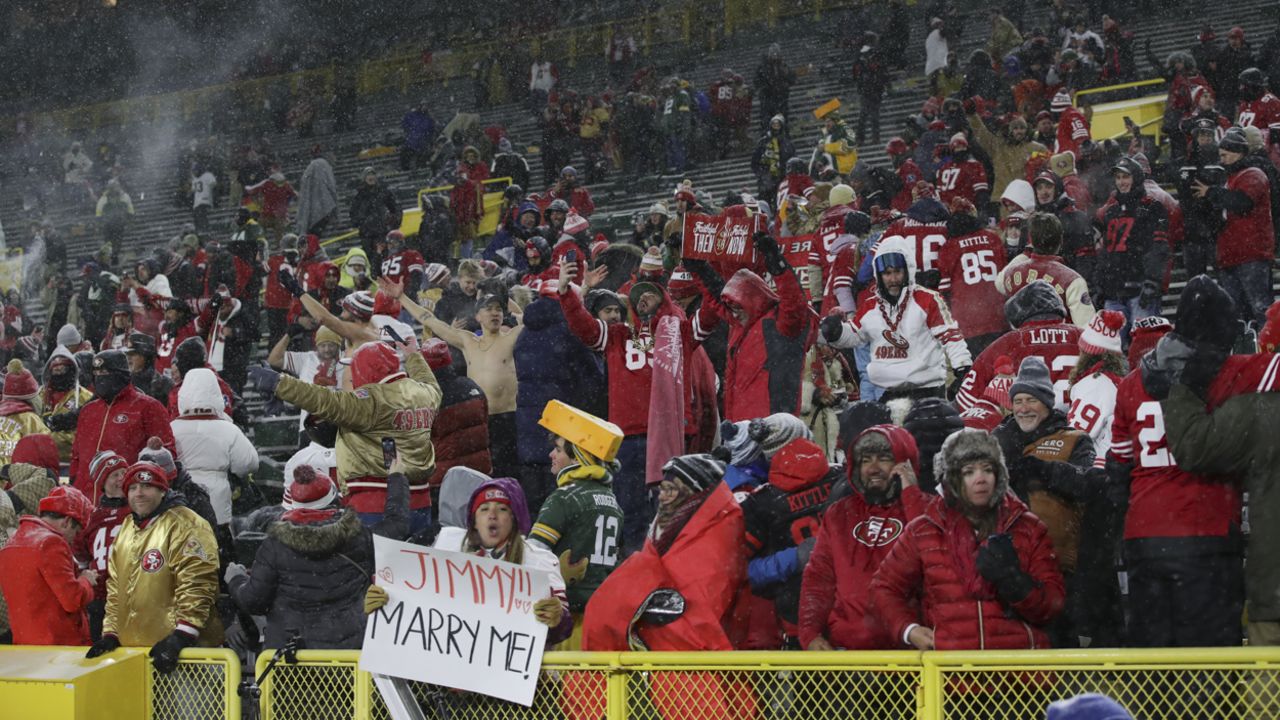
(583, 520)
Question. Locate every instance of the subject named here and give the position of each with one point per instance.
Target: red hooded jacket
(765, 365)
(123, 425)
(936, 560)
(46, 598)
(854, 539)
(1248, 237)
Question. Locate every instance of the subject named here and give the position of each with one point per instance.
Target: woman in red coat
(980, 562)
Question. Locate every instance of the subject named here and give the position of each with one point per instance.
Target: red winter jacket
(765, 365)
(169, 340)
(1247, 236)
(854, 539)
(461, 430)
(46, 598)
(276, 297)
(936, 561)
(123, 425)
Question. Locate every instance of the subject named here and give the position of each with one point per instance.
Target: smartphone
(388, 452)
(571, 256)
(392, 332)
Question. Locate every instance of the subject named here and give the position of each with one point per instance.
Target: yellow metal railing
(204, 687)
(1164, 684)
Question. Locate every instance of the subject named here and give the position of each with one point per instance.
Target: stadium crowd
(934, 405)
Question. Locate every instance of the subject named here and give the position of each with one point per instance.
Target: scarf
(673, 516)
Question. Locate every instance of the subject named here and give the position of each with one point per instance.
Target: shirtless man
(490, 363)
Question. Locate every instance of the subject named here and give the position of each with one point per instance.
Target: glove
(1028, 467)
(675, 240)
(297, 330)
(572, 571)
(63, 422)
(234, 570)
(970, 106)
(289, 282)
(832, 328)
(164, 654)
(711, 280)
(264, 379)
(1162, 367)
(215, 302)
(960, 374)
(998, 563)
(374, 598)
(1150, 295)
(1202, 368)
(105, 644)
(805, 550)
(549, 611)
(768, 248)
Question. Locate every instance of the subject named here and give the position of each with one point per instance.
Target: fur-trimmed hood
(322, 538)
(964, 446)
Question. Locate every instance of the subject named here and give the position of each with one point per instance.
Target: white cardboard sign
(457, 620)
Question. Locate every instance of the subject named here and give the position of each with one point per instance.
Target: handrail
(1121, 86)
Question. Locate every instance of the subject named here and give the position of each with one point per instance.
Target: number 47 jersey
(582, 519)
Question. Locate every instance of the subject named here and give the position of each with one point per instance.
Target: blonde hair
(471, 269)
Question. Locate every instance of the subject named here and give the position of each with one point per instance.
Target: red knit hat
(436, 352)
(1144, 335)
(386, 305)
(310, 490)
(489, 493)
(359, 304)
(1103, 333)
(682, 284)
(145, 472)
(374, 362)
(68, 501)
(798, 464)
(38, 450)
(19, 383)
(998, 389)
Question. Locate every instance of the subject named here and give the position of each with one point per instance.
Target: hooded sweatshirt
(210, 446)
(912, 338)
(765, 364)
(855, 537)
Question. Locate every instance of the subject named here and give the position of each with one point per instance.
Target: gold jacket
(162, 578)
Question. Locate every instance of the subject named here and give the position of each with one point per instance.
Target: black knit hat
(1036, 299)
(858, 417)
(112, 361)
(142, 343)
(697, 472)
(191, 354)
(1234, 140)
(931, 421)
(1207, 314)
(599, 299)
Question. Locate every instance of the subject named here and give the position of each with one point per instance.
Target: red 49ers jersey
(1263, 113)
(964, 179)
(1053, 341)
(969, 265)
(928, 239)
(1164, 499)
(398, 267)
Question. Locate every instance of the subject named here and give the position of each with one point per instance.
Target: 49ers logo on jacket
(152, 561)
(120, 419)
(877, 531)
(896, 349)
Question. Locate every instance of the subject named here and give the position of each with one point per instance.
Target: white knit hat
(1103, 333)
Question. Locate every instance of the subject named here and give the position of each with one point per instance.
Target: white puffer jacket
(209, 445)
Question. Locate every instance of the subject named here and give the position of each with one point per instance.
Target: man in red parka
(857, 533)
(46, 596)
(769, 333)
(121, 418)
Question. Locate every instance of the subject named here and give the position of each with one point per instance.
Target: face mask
(108, 386)
(62, 382)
